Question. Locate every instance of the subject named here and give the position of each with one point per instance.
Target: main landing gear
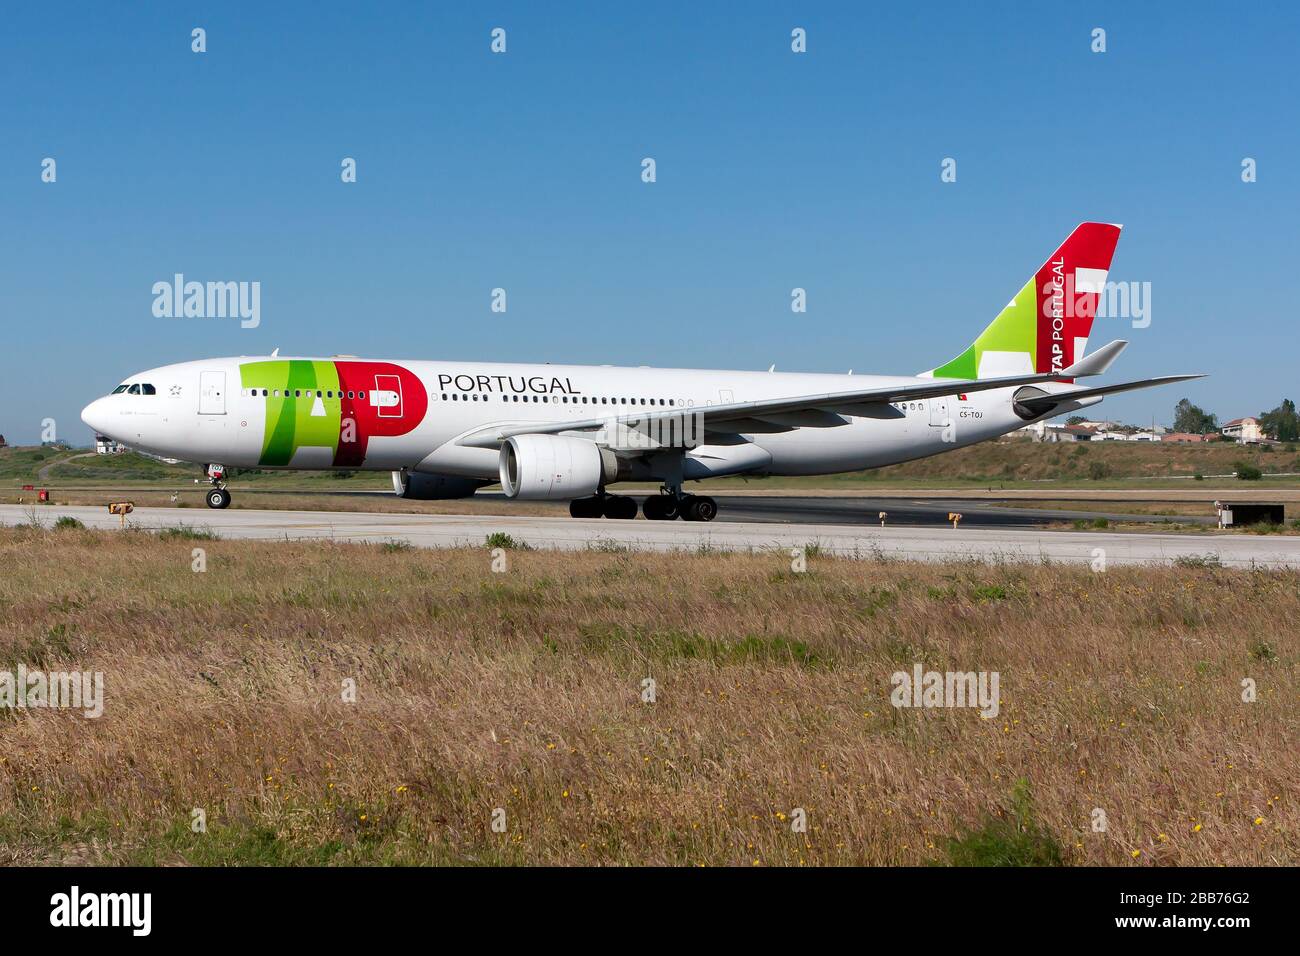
(671, 503)
(218, 497)
(666, 506)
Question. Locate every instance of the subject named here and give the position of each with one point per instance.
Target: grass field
(522, 691)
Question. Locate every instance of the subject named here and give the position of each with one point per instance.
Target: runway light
(883, 516)
(954, 517)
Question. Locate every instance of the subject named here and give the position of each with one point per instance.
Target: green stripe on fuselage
(290, 424)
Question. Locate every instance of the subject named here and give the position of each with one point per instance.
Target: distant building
(1071, 433)
(1036, 432)
(107, 446)
(2, 441)
(1184, 437)
(1244, 430)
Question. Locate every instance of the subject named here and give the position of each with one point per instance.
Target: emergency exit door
(212, 393)
(939, 412)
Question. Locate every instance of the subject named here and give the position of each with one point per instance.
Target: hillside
(1023, 460)
(24, 464)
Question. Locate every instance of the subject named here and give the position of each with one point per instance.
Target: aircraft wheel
(620, 507)
(660, 508)
(585, 508)
(700, 508)
(218, 498)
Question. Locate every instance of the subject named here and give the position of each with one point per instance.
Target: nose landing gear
(218, 497)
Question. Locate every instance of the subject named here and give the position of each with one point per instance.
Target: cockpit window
(119, 390)
(134, 389)
(148, 390)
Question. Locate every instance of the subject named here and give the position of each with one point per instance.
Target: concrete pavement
(914, 543)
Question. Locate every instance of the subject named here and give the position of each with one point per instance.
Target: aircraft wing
(823, 410)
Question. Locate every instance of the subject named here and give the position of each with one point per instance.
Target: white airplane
(445, 429)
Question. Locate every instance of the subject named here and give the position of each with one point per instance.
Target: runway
(987, 511)
(920, 510)
(932, 542)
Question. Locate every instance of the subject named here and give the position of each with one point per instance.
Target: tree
(1282, 422)
(1075, 420)
(1193, 419)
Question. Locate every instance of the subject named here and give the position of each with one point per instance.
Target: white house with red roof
(1244, 430)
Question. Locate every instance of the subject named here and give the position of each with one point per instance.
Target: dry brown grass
(521, 690)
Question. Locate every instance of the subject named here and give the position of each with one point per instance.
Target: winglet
(1096, 363)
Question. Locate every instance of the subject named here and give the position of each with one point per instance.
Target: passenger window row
(300, 393)
(559, 399)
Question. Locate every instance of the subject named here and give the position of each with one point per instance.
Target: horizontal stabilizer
(1098, 362)
(1043, 403)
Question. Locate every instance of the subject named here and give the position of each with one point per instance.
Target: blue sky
(522, 171)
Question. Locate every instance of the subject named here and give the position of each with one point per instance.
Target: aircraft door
(212, 393)
(939, 412)
(387, 396)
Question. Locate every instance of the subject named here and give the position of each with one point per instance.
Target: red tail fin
(1069, 286)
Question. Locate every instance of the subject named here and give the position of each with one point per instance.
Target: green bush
(1014, 839)
(67, 521)
(1263, 652)
(1248, 472)
(185, 532)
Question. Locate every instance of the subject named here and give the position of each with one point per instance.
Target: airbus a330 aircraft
(445, 429)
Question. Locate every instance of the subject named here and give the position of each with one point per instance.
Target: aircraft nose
(97, 415)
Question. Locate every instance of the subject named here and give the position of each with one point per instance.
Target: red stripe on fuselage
(364, 418)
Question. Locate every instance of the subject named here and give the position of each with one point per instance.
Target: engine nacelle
(420, 487)
(1023, 394)
(554, 467)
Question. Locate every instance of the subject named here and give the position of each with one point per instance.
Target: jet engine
(554, 467)
(421, 487)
